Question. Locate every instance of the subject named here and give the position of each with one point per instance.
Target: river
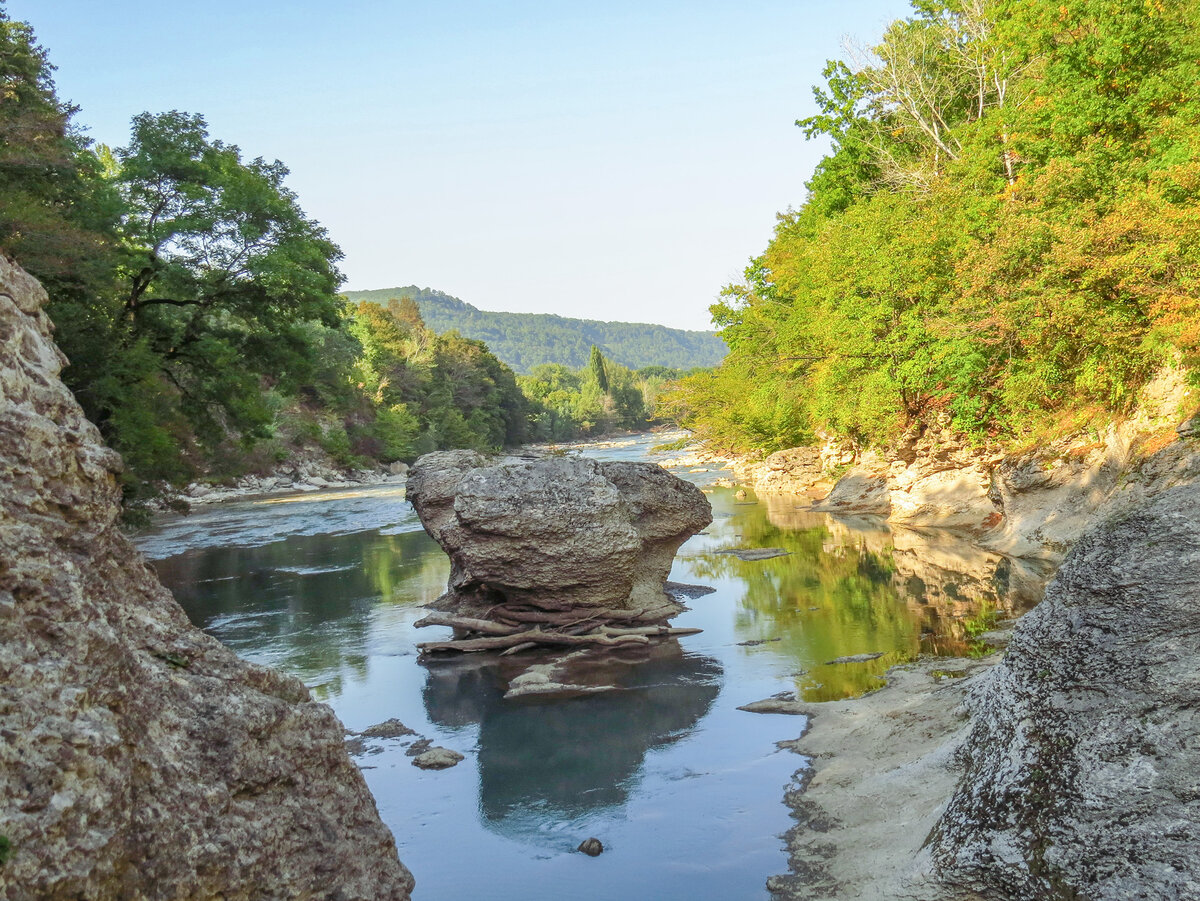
(683, 789)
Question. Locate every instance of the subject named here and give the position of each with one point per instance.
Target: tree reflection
(852, 586)
(561, 760)
(305, 604)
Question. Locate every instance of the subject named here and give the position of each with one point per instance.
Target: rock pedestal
(553, 541)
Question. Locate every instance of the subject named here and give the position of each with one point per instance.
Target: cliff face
(1080, 776)
(138, 757)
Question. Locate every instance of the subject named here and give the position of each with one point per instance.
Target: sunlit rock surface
(555, 530)
(1080, 776)
(138, 757)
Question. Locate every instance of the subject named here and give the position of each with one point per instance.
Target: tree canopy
(1004, 232)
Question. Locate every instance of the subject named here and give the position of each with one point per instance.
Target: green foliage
(526, 340)
(603, 396)
(53, 213)
(431, 391)
(5, 849)
(1004, 231)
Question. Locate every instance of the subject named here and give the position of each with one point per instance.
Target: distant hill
(525, 340)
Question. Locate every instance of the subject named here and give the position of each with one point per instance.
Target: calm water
(684, 790)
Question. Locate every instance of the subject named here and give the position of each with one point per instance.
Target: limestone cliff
(138, 757)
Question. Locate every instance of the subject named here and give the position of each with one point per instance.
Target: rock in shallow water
(138, 757)
(554, 531)
(437, 758)
(591, 847)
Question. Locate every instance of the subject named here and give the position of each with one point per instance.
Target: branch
(171, 301)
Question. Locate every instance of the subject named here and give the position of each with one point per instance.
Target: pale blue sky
(617, 160)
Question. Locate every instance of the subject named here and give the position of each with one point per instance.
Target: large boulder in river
(139, 758)
(1081, 768)
(555, 531)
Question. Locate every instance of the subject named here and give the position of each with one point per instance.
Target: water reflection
(306, 604)
(853, 586)
(555, 761)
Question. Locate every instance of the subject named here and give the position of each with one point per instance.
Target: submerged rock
(753, 554)
(564, 531)
(139, 757)
(784, 702)
(591, 847)
(854, 658)
(392, 728)
(1080, 768)
(437, 758)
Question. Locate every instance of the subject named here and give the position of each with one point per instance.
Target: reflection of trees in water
(304, 604)
(853, 586)
(558, 760)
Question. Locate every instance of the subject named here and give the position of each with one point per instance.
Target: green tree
(224, 269)
(597, 369)
(54, 213)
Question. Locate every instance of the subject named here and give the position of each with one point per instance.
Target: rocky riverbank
(140, 757)
(1063, 768)
(1022, 503)
(881, 768)
(303, 474)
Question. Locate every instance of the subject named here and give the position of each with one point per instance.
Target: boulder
(139, 758)
(555, 532)
(437, 758)
(1079, 774)
(861, 490)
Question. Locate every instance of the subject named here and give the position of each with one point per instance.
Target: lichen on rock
(139, 757)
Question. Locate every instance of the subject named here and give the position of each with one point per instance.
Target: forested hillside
(526, 340)
(1006, 231)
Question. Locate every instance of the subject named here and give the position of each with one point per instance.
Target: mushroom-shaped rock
(556, 533)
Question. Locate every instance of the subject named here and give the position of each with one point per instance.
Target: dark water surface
(684, 790)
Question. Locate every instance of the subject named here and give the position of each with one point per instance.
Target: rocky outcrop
(1079, 776)
(1034, 503)
(796, 470)
(140, 758)
(863, 489)
(555, 531)
(930, 477)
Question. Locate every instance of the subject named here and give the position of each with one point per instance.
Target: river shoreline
(880, 774)
(310, 474)
(881, 768)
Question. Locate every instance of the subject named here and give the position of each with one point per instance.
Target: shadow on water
(855, 586)
(559, 760)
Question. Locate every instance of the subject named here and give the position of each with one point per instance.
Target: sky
(606, 160)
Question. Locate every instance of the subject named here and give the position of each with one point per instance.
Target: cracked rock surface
(139, 758)
(1080, 776)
